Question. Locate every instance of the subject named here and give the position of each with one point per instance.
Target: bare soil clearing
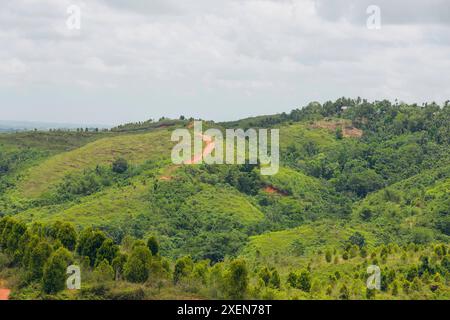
(196, 159)
(4, 293)
(273, 190)
(347, 129)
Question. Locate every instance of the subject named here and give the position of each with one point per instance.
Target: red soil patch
(4, 294)
(210, 145)
(352, 132)
(273, 190)
(347, 129)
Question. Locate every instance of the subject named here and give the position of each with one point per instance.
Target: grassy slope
(113, 206)
(316, 236)
(135, 148)
(118, 205)
(52, 142)
(301, 133)
(226, 202)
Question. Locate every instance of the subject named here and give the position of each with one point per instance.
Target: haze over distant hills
(11, 125)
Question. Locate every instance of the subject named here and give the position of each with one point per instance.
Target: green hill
(359, 183)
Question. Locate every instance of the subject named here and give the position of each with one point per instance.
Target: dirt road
(196, 159)
(210, 145)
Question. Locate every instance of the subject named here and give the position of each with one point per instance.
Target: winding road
(210, 145)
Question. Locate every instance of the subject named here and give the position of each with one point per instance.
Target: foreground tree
(54, 277)
(89, 243)
(38, 257)
(107, 251)
(236, 282)
(183, 267)
(137, 268)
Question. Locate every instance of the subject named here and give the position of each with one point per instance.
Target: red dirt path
(210, 145)
(4, 294)
(196, 159)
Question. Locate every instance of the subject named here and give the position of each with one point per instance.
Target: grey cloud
(211, 58)
(152, 7)
(393, 12)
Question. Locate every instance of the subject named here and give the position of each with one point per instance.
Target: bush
(120, 165)
(104, 272)
(237, 280)
(357, 239)
(183, 267)
(275, 281)
(304, 281)
(54, 278)
(137, 268)
(89, 243)
(153, 245)
(328, 256)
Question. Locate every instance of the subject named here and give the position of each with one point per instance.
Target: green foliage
(236, 284)
(65, 233)
(54, 277)
(364, 184)
(104, 272)
(183, 267)
(137, 267)
(275, 281)
(120, 165)
(89, 243)
(357, 239)
(265, 276)
(107, 251)
(38, 257)
(304, 281)
(153, 245)
(328, 256)
(118, 264)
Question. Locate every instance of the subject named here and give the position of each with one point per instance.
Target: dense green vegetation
(360, 183)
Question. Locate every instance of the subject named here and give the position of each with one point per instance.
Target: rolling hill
(367, 184)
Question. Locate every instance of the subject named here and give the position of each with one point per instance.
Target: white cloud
(214, 59)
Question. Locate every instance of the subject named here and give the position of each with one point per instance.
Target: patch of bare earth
(348, 130)
(4, 293)
(273, 190)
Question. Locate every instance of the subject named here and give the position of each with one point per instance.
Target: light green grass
(135, 148)
(112, 206)
(320, 235)
(300, 133)
(226, 202)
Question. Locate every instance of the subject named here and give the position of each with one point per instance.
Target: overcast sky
(139, 59)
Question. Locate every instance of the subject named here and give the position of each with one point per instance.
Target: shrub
(153, 245)
(236, 279)
(54, 277)
(120, 165)
(137, 268)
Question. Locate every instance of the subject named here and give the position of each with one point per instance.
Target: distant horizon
(17, 123)
(83, 124)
